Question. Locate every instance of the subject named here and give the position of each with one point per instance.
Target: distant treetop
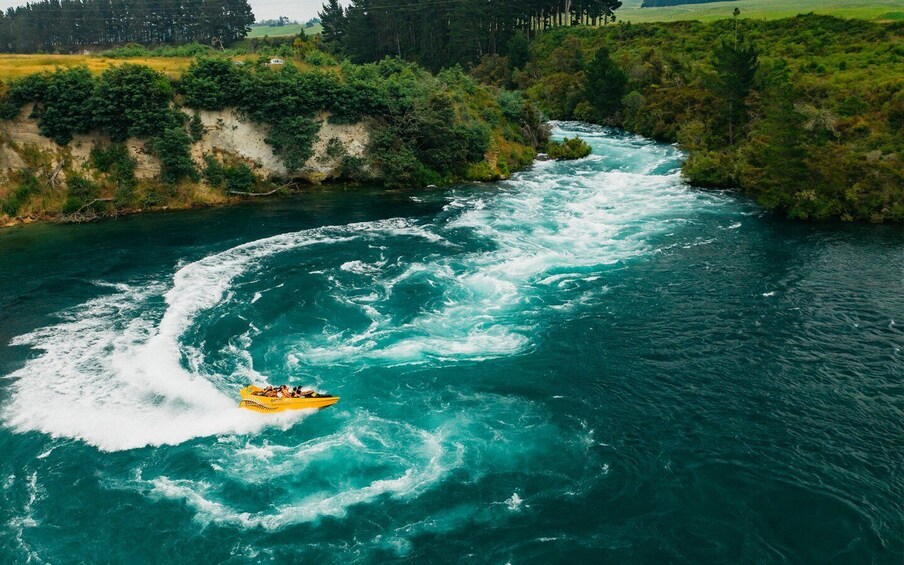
(52, 25)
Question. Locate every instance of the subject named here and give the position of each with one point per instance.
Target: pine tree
(359, 41)
(736, 64)
(781, 131)
(333, 20)
(518, 51)
(605, 85)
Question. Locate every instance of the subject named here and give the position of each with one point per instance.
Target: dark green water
(589, 363)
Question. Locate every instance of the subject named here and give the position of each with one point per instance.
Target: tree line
(438, 33)
(67, 25)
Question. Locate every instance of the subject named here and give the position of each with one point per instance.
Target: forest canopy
(439, 34)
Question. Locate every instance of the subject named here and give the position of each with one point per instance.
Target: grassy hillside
(17, 66)
(765, 9)
(274, 31)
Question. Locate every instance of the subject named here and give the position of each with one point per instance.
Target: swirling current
(590, 362)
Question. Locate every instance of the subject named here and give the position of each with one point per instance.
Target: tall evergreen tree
(781, 131)
(736, 64)
(605, 85)
(518, 50)
(359, 41)
(332, 18)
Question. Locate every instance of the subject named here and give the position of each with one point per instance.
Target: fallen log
(92, 203)
(271, 193)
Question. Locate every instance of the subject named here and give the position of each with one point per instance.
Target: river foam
(114, 375)
(131, 368)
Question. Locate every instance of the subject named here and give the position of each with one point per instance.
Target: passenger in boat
(284, 391)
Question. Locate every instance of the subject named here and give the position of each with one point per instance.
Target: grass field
(17, 66)
(273, 31)
(765, 9)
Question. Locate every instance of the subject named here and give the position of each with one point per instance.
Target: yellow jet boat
(260, 403)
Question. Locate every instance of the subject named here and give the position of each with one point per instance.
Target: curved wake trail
(472, 284)
(113, 374)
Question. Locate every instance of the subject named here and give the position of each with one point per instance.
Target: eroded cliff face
(229, 134)
(226, 135)
(22, 143)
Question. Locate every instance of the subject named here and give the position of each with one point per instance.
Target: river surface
(591, 362)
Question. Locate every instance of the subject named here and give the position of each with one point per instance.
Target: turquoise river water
(591, 362)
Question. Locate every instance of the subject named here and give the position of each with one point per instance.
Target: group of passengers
(285, 391)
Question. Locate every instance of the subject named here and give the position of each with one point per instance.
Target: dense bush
(210, 84)
(239, 178)
(232, 178)
(134, 50)
(214, 172)
(173, 148)
(80, 193)
(425, 129)
(65, 107)
(568, 149)
(31, 88)
(26, 186)
(63, 102)
(293, 140)
(133, 101)
(119, 165)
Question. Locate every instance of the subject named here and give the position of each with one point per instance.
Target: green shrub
(116, 162)
(318, 58)
(511, 103)
(712, 169)
(239, 178)
(133, 101)
(65, 107)
(214, 172)
(211, 84)
(27, 186)
(398, 164)
(293, 140)
(196, 127)
(568, 149)
(81, 188)
(134, 50)
(352, 168)
(173, 148)
(335, 148)
(27, 89)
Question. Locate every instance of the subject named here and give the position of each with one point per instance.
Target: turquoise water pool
(589, 362)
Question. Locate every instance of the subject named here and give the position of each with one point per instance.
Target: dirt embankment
(227, 136)
(225, 133)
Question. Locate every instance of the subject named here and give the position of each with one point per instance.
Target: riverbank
(80, 145)
(805, 114)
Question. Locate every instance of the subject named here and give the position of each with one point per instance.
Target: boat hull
(269, 405)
